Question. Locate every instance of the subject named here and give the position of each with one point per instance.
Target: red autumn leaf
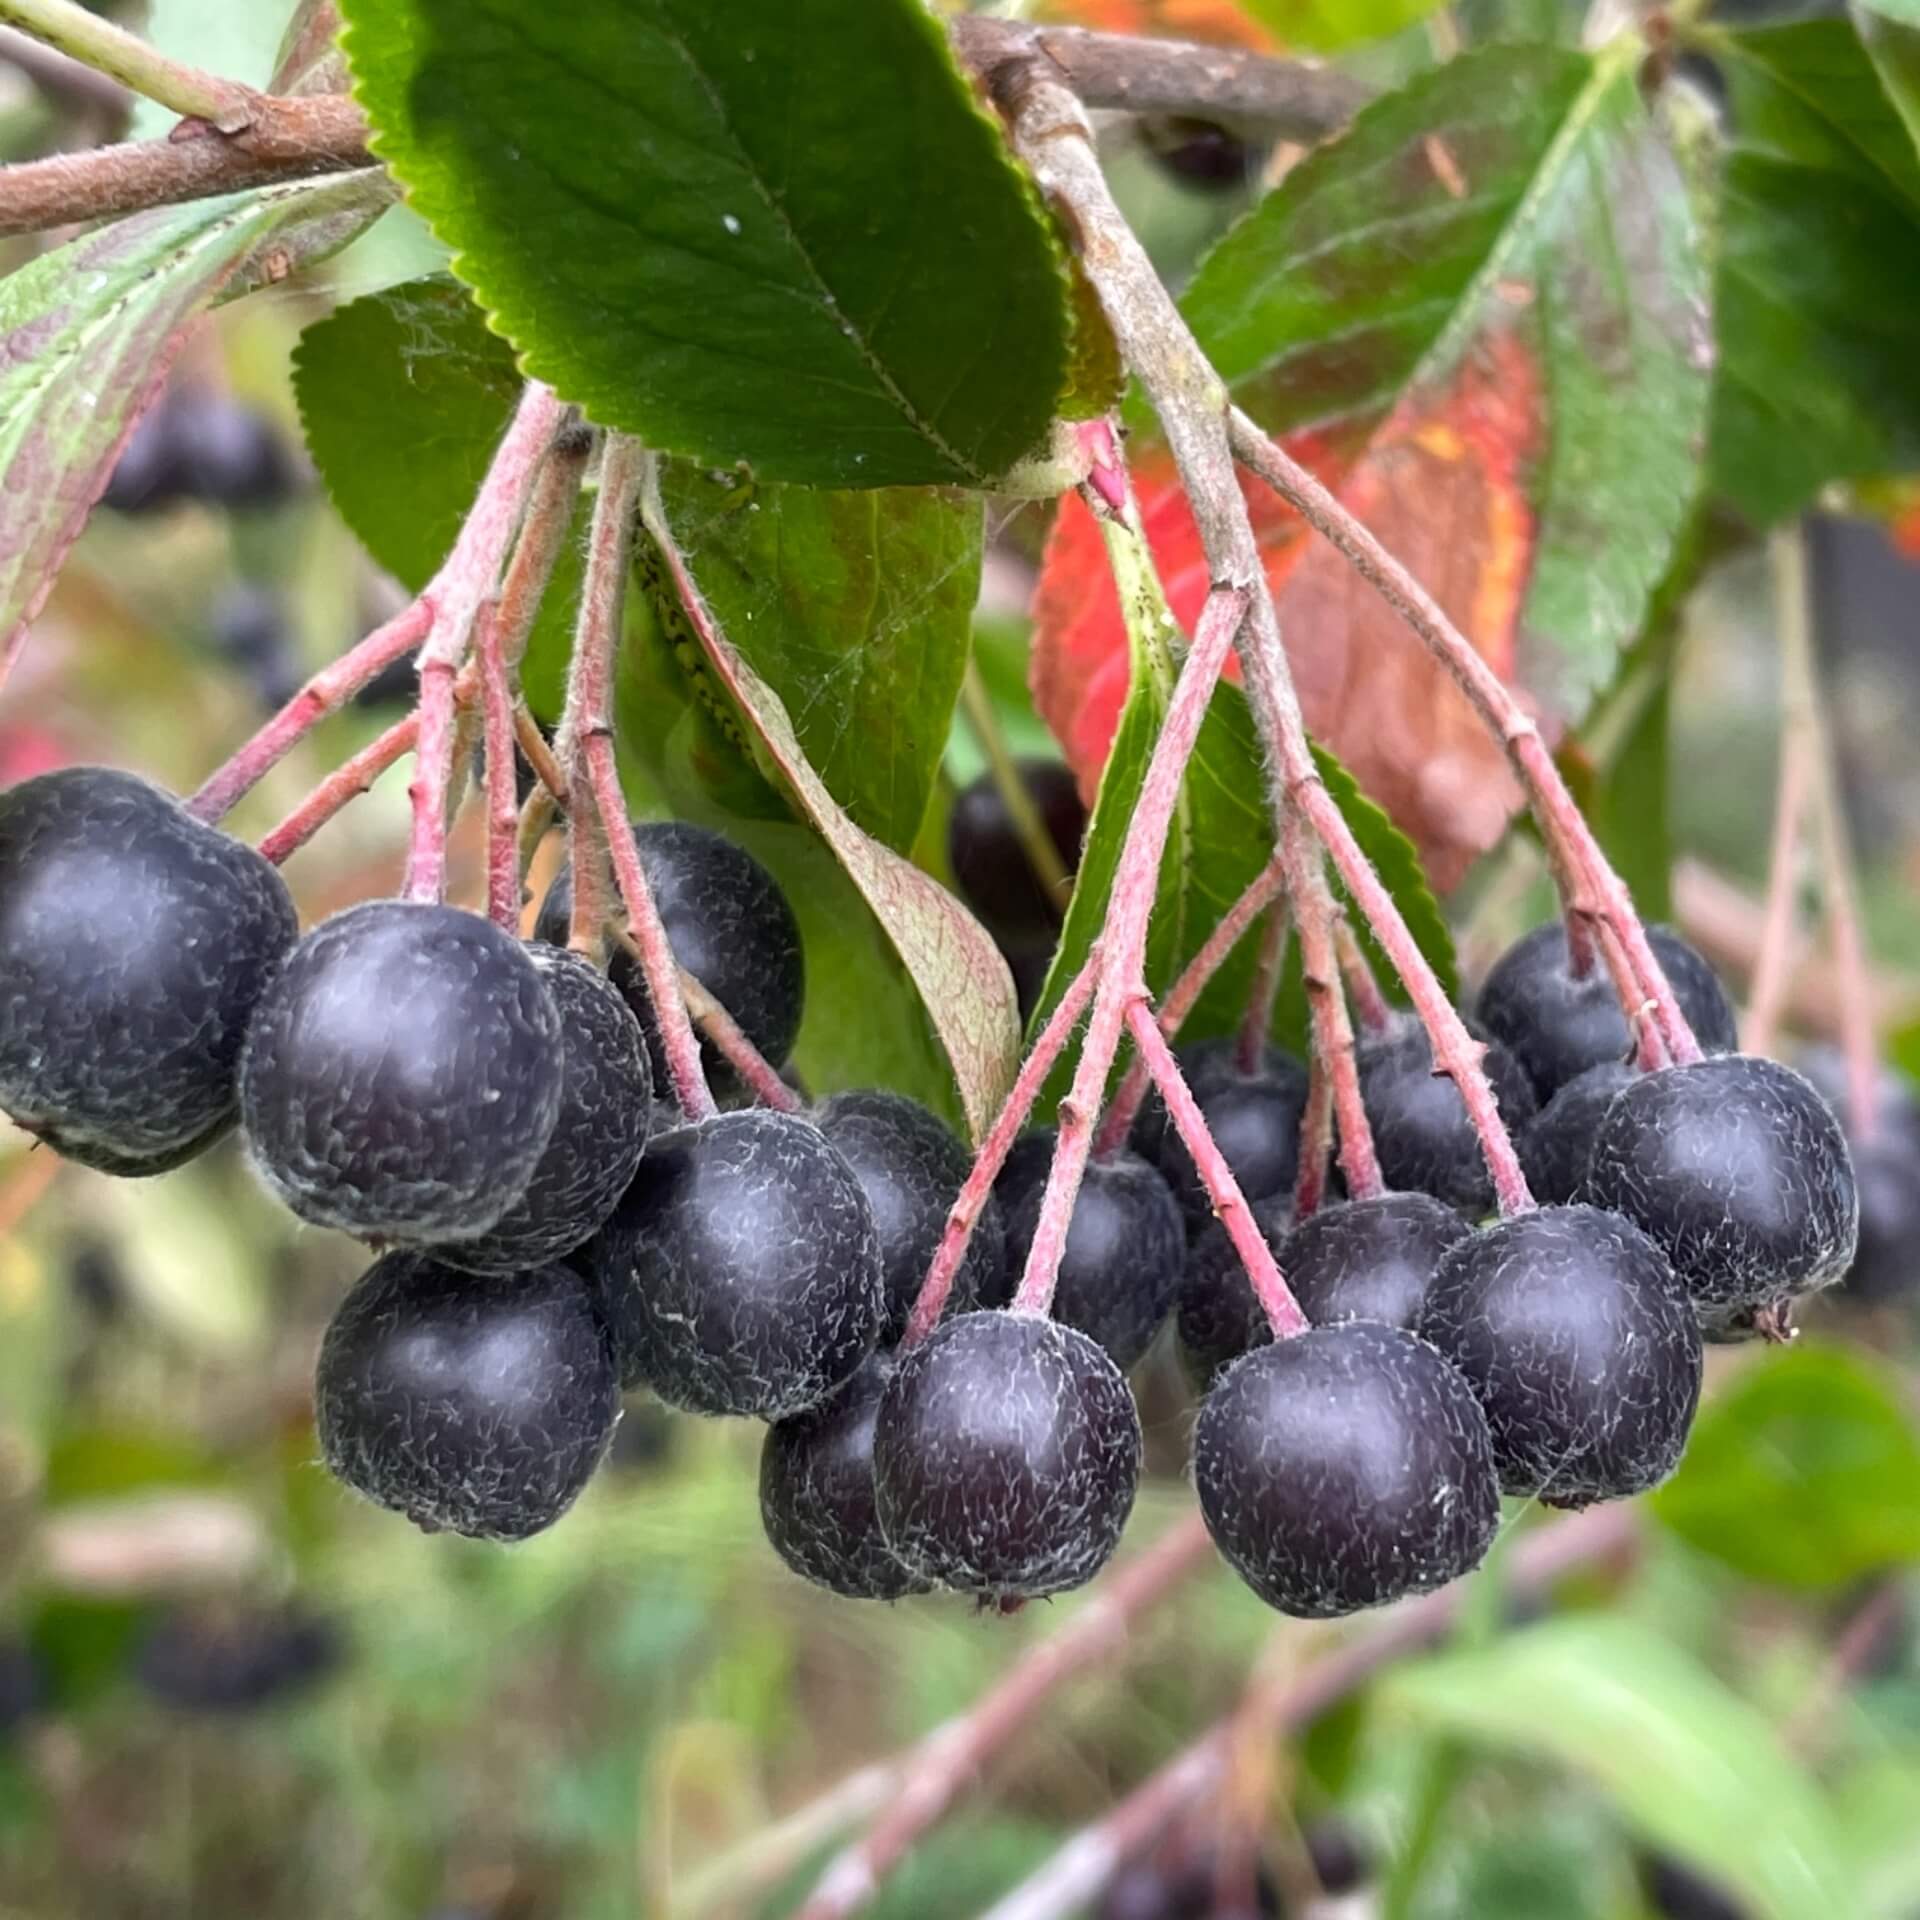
(1442, 482)
(1217, 22)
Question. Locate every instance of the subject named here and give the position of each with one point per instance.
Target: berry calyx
(911, 1168)
(474, 1408)
(1125, 1251)
(1421, 1134)
(1556, 1145)
(1253, 1115)
(135, 945)
(729, 925)
(402, 1075)
(599, 1132)
(1370, 1259)
(1006, 1455)
(1571, 1328)
(1557, 1026)
(1345, 1468)
(990, 866)
(1739, 1171)
(740, 1274)
(817, 1498)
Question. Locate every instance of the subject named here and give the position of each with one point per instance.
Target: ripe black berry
(1369, 1259)
(990, 866)
(1006, 1456)
(1676, 1892)
(402, 1075)
(1344, 1468)
(1886, 1263)
(1570, 1326)
(1200, 152)
(248, 627)
(911, 1168)
(729, 925)
(1421, 1133)
(135, 944)
(599, 1133)
(816, 1493)
(1217, 1315)
(1556, 1145)
(147, 477)
(1557, 1026)
(741, 1272)
(235, 1662)
(1739, 1170)
(1126, 1246)
(475, 1406)
(226, 452)
(1254, 1118)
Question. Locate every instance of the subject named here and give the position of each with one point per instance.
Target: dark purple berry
(990, 865)
(1886, 1263)
(1254, 1118)
(599, 1133)
(472, 1406)
(1200, 153)
(1896, 1110)
(227, 453)
(1125, 1251)
(402, 1075)
(135, 944)
(223, 1661)
(816, 1493)
(1344, 1468)
(1677, 1892)
(1342, 1862)
(23, 1685)
(1739, 1170)
(1006, 1456)
(1556, 1145)
(248, 626)
(1557, 1026)
(911, 1168)
(741, 1272)
(1218, 1316)
(729, 925)
(1421, 1134)
(148, 477)
(1369, 1259)
(1570, 1326)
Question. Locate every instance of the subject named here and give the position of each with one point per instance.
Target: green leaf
(1327, 26)
(1820, 228)
(1905, 11)
(1693, 1768)
(740, 725)
(1505, 248)
(1893, 43)
(856, 609)
(764, 232)
(1805, 1472)
(88, 331)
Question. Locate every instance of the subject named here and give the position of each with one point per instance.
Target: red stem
(733, 1046)
(1229, 1204)
(503, 803)
(1184, 995)
(329, 690)
(1129, 905)
(347, 782)
(1256, 1024)
(1363, 990)
(1579, 862)
(931, 1302)
(951, 1757)
(1316, 1141)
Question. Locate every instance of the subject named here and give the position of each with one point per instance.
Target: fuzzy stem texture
(464, 586)
(1316, 1140)
(964, 1215)
(1256, 1023)
(1363, 990)
(346, 782)
(1135, 883)
(503, 804)
(1229, 1204)
(1052, 135)
(733, 1046)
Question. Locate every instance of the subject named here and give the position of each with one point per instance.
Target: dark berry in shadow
(990, 866)
(1217, 1316)
(225, 1660)
(1556, 1145)
(1369, 1259)
(1254, 1117)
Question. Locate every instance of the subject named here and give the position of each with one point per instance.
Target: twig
(1316, 1140)
(346, 782)
(1839, 888)
(931, 1302)
(1779, 942)
(1123, 941)
(1223, 1190)
(297, 141)
(944, 1763)
(328, 691)
(587, 728)
(1051, 133)
(96, 42)
(1256, 1023)
(1592, 888)
(538, 754)
(733, 1046)
(468, 582)
(1363, 990)
(1077, 1873)
(1129, 74)
(1184, 994)
(503, 803)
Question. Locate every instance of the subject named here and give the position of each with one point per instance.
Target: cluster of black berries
(196, 443)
